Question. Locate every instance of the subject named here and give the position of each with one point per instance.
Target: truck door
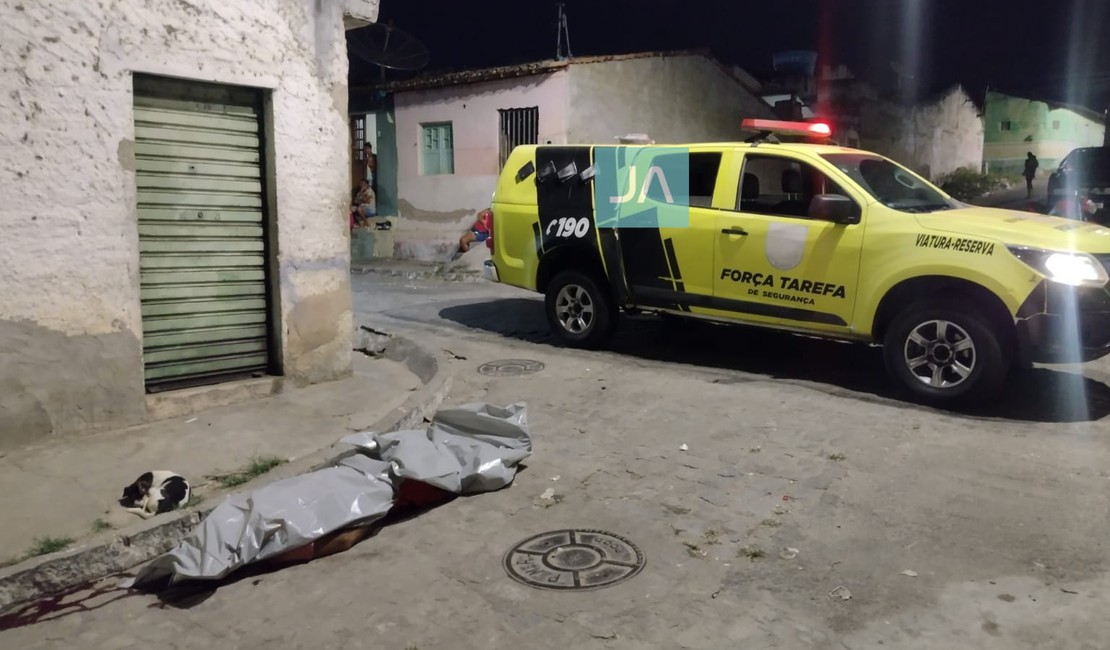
(776, 261)
(661, 207)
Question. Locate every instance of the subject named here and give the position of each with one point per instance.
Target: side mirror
(836, 208)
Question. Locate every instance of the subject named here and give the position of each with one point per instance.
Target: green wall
(387, 160)
(1050, 133)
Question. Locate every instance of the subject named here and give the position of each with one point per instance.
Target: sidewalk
(467, 268)
(67, 488)
(1015, 198)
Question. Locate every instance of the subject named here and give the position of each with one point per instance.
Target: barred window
(518, 126)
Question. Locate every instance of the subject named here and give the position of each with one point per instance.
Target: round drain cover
(574, 560)
(510, 367)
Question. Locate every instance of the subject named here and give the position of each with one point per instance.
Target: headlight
(1072, 269)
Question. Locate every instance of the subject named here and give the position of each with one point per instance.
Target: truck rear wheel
(945, 355)
(580, 313)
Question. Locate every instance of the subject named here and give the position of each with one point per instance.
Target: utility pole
(563, 33)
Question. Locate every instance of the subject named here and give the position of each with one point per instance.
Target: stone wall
(933, 138)
(70, 322)
(684, 98)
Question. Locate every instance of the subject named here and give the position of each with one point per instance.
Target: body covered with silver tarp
(469, 449)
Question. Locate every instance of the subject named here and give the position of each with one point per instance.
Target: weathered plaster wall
(359, 13)
(70, 323)
(673, 99)
(1050, 133)
(934, 138)
(687, 98)
(435, 210)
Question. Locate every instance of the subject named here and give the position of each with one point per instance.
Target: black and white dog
(154, 493)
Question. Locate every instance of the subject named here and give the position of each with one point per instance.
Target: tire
(581, 314)
(933, 362)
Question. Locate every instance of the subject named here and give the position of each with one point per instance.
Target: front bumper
(1061, 324)
(489, 271)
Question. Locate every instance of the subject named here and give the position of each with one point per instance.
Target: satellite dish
(388, 47)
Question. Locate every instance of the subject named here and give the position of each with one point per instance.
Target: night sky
(1053, 49)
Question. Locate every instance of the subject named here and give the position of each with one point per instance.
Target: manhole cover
(574, 560)
(510, 367)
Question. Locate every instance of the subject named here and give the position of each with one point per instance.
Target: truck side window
(781, 187)
(703, 178)
(702, 171)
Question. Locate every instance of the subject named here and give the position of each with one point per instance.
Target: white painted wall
(359, 13)
(435, 210)
(956, 131)
(674, 99)
(934, 139)
(687, 98)
(70, 324)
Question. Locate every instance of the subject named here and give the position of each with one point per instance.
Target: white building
(935, 137)
(174, 204)
(448, 135)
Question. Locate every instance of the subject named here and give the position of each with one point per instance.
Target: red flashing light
(780, 126)
(820, 128)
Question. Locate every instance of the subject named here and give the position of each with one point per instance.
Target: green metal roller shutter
(202, 239)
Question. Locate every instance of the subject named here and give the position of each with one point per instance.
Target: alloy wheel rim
(940, 354)
(575, 309)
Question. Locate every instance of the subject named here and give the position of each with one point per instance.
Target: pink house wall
(472, 110)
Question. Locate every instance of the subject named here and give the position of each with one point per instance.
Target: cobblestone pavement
(765, 478)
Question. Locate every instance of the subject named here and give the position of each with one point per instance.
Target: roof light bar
(780, 126)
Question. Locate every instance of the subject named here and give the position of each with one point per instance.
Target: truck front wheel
(945, 355)
(580, 313)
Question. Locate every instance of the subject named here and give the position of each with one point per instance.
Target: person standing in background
(1031, 165)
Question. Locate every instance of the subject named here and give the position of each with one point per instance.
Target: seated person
(363, 204)
(479, 231)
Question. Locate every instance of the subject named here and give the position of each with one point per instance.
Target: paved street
(1017, 198)
(715, 450)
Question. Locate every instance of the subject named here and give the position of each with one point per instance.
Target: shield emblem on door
(786, 245)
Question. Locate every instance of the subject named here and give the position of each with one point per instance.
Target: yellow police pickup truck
(803, 236)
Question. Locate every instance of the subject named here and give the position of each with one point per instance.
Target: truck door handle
(735, 230)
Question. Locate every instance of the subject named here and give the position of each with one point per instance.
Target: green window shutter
(437, 155)
(428, 158)
(447, 151)
(202, 250)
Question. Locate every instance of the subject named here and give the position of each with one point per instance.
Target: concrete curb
(114, 552)
(437, 272)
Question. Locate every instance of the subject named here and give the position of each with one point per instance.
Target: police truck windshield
(890, 184)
